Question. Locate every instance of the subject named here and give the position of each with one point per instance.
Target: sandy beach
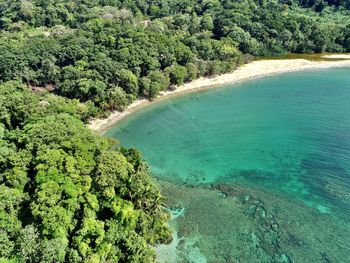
(255, 69)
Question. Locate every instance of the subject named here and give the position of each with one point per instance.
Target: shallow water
(283, 141)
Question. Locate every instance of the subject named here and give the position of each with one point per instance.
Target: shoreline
(252, 70)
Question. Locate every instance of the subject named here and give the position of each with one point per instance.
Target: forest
(68, 195)
(108, 52)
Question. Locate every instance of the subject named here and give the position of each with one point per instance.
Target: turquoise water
(284, 137)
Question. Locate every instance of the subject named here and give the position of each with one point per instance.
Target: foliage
(66, 194)
(70, 196)
(90, 50)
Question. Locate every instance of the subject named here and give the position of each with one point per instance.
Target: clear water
(283, 140)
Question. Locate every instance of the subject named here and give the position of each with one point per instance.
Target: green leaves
(128, 81)
(69, 196)
(177, 74)
(105, 52)
(28, 244)
(66, 195)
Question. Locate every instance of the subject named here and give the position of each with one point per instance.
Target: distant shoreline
(253, 70)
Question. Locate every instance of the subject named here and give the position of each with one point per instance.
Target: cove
(258, 170)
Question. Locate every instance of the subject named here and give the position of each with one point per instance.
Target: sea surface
(253, 172)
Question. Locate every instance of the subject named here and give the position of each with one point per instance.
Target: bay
(270, 157)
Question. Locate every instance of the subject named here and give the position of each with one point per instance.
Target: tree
(177, 74)
(28, 244)
(207, 22)
(128, 81)
(192, 71)
(115, 98)
(215, 68)
(158, 82)
(68, 195)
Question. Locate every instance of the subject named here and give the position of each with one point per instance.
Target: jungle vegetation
(109, 52)
(68, 195)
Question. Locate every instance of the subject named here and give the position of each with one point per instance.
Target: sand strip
(256, 69)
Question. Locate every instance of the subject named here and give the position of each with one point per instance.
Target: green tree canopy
(68, 195)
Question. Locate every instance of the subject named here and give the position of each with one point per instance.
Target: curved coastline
(293, 123)
(253, 70)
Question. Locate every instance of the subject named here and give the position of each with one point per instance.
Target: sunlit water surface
(260, 171)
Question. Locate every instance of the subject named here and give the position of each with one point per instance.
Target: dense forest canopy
(70, 196)
(109, 52)
(66, 194)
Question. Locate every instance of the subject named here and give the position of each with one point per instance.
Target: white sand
(251, 70)
(337, 56)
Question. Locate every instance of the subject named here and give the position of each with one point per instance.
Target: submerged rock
(223, 194)
(284, 259)
(295, 241)
(260, 212)
(255, 240)
(337, 190)
(258, 228)
(176, 212)
(227, 189)
(325, 257)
